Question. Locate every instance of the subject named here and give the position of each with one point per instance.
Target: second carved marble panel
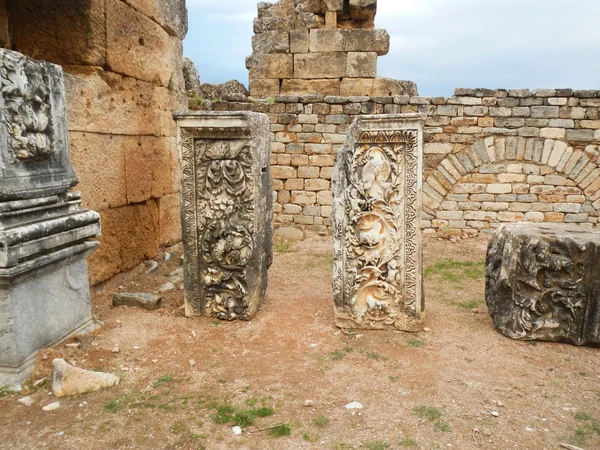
(376, 224)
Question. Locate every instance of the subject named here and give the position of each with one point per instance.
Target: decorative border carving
(218, 214)
(381, 236)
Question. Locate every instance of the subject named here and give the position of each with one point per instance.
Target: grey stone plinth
(227, 211)
(376, 224)
(35, 160)
(543, 283)
(42, 302)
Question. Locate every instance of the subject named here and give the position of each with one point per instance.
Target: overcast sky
(440, 44)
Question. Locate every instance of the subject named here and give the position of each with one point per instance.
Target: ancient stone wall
(319, 46)
(125, 62)
(490, 156)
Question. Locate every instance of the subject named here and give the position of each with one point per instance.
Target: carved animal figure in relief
(374, 295)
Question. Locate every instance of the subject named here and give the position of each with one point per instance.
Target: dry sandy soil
(458, 385)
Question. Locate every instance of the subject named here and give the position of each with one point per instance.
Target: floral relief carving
(26, 112)
(380, 273)
(218, 193)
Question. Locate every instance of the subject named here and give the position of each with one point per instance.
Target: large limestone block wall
(319, 46)
(124, 64)
(490, 156)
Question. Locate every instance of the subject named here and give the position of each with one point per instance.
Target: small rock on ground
(146, 301)
(51, 406)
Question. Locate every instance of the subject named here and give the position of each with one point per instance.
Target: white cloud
(440, 44)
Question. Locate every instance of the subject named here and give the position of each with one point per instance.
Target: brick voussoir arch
(580, 166)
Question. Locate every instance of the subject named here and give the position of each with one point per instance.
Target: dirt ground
(458, 385)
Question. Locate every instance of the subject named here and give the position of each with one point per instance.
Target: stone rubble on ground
(68, 380)
(51, 406)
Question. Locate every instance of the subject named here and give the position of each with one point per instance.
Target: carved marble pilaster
(227, 211)
(543, 283)
(44, 231)
(376, 224)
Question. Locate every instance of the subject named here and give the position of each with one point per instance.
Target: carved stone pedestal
(376, 224)
(227, 211)
(543, 283)
(44, 231)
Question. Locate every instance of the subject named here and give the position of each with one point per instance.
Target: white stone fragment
(68, 380)
(51, 406)
(354, 405)
(236, 430)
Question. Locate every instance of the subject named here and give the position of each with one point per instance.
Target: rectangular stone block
(362, 65)
(35, 158)
(319, 65)
(277, 65)
(309, 87)
(227, 211)
(138, 47)
(264, 88)
(355, 40)
(271, 42)
(542, 283)
(377, 248)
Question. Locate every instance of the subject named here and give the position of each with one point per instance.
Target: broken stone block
(376, 224)
(227, 211)
(191, 78)
(542, 283)
(68, 380)
(146, 301)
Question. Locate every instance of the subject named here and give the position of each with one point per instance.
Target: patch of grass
(240, 417)
(270, 100)
(280, 430)
(113, 406)
(321, 421)
(337, 355)
(589, 428)
(456, 271)
(253, 401)
(284, 246)
(217, 323)
(162, 380)
(442, 426)
(312, 438)
(415, 343)
(427, 412)
(342, 446)
(376, 356)
(376, 445)
(394, 377)
(583, 374)
(407, 442)
(320, 261)
(165, 407)
(469, 304)
(179, 427)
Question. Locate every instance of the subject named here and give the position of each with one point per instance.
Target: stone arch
(539, 166)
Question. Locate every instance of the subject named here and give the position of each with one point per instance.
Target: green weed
(321, 421)
(415, 343)
(456, 271)
(284, 246)
(427, 412)
(113, 406)
(280, 430)
(376, 356)
(162, 380)
(407, 442)
(376, 445)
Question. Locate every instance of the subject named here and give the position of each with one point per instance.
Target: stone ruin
(44, 231)
(542, 283)
(377, 276)
(227, 211)
(327, 47)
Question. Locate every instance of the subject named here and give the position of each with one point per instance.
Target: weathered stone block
(320, 65)
(277, 65)
(171, 15)
(308, 87)
(264, 88)
(227, 211)
(42, 302)
(299, 41)
(376, 224)
(271, 42)
(542, 283)
(362, 65)
(137, 46)
(35, 158)
(74, 30)
(383, 87)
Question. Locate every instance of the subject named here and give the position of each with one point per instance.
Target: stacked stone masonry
(123, 60)
(490, 156)
(324, 46)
